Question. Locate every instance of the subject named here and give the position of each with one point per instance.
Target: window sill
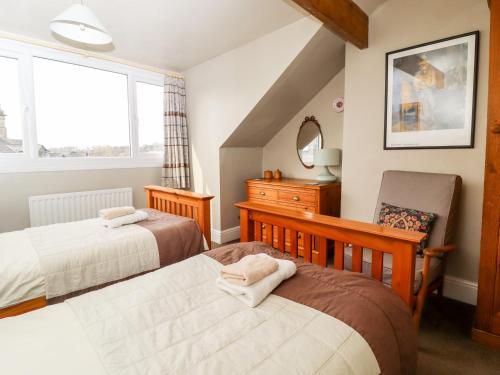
(22, 164)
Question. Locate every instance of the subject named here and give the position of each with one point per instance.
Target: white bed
(175, 320)
(58, 259)
(22, 277)
(53, 262)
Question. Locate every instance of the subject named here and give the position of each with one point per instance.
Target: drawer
(262, 193)
(296, 197)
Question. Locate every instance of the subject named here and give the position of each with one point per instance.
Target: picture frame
(430, 94)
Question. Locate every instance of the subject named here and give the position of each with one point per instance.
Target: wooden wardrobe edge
(486, 338)
(23, 307)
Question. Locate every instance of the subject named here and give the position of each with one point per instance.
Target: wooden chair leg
(422, 293)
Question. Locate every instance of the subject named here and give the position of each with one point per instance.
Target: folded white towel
(249, 269)
(113, 212)
(254, 294)
(124, 220)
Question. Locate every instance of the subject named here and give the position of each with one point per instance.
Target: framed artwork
(430, 94)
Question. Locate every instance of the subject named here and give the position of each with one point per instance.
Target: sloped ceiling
(320, 60)
(167, 34)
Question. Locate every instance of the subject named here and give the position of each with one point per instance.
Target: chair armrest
(436, 251)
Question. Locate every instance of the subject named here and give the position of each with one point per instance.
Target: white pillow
(124, 220)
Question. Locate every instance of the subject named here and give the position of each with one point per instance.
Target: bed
(175, 319)
(47, 264)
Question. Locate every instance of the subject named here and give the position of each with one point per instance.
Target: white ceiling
(168, 34)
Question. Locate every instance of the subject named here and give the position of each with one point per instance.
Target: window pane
(80, 111)
(11, 119)
(150, 115)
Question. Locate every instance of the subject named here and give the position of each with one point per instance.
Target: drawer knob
(262, 193)
(296, 198)
(496, 129)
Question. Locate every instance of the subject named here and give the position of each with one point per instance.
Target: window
(61, 110)
(80, 111)
(150, 117)
(11, 124)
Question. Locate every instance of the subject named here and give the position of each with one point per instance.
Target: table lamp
(326, 157)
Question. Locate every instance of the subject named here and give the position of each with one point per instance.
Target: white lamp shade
(78, 23)
(327, 157)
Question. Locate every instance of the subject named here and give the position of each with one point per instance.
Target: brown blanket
(371, 308)
(178, 238)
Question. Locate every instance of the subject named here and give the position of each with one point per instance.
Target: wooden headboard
(182, 203)
(317, 229)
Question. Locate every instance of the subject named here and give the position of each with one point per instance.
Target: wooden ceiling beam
(342, 17)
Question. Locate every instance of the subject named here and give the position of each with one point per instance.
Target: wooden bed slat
(281, 239)
(307, 247)
(322, 251)
(293, 243)
(357, 258)
(248, 231)
(258, 231)
(269, 234)
(377, 264)
(338, 258)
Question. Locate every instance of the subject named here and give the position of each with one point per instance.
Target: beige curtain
(176, 169)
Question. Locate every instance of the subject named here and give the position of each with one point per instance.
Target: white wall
(281, 151)
(398, 24)
(236, 164)
(15, 188)
(222, 91)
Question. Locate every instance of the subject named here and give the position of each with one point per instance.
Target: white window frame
(29, 161)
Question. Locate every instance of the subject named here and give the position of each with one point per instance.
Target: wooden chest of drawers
(303, 195)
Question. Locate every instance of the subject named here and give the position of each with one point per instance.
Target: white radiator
(62, 208)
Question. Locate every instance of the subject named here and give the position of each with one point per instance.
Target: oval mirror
(309, 139)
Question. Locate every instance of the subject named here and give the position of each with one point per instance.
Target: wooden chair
(428, 192)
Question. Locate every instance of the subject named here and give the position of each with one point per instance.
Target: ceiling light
(78, 23)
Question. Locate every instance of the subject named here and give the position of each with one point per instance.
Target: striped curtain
(176, 169)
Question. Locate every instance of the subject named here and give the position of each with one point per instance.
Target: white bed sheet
(48, 341)
(175, 320)
(21, 278)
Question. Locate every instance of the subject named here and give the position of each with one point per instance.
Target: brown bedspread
(365, 304)
(177, 237)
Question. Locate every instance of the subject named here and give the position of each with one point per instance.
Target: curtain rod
(42, 43)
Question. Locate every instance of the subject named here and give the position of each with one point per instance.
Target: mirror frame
(306, 120)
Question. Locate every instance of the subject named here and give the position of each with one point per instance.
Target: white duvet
(58, 259)
(20, 276)
(176, 321)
